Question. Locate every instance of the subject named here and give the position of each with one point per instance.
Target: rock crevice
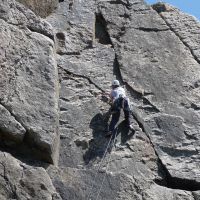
(82, 76)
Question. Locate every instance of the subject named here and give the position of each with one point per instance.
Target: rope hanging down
(100, 164)
(106, 166)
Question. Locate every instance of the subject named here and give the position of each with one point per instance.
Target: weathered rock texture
(178, 21)
(29, 80)
(21, 181)
(166, 71)
(70, 59)
(73, 23)
(41, 7)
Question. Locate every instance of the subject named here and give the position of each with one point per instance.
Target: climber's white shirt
(117, 92)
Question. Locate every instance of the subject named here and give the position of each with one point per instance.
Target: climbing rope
(98, 193)
(99, 166)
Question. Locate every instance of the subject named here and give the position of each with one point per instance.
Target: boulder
(22, 181)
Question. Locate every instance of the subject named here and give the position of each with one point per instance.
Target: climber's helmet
(115, 83)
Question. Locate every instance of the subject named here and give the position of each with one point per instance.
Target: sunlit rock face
(29, 82)
(54, 73)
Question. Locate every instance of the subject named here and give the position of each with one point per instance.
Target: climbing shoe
(131, 127)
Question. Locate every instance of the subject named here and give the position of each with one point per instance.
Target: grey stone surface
(83, 78)
(159, 193)
(154, 58)
(140, 48)
(42, 8)
(29, 78)
(82, 140)
(185, 26)
(21, 181)
(80, 184)
(10, 127)
(15, 13)
(73, 23)
(95, 42)
(176, 149)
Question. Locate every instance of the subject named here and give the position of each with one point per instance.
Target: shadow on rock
(98, 144)
(124, 132)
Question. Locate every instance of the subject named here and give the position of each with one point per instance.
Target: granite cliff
(56, 59)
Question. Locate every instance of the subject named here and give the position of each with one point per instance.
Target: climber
(118, 101)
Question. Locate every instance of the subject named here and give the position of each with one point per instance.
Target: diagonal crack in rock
(82, 76)
(11, 113)
(169, 181)
(173, 30)
(10, 127)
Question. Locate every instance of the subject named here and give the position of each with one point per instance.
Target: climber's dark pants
(116, 115)
(114, 120)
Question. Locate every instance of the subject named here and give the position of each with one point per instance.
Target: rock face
(53, 75)
(73, 23)
(168, 112)
(40, 7)
(21, 181)
(189, 36)
(29, 79)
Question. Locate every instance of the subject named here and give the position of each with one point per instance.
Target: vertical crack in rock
(101, 34)
(61, 39)
(168, 181)
(116, 70)
(135, 92)
(159, 8)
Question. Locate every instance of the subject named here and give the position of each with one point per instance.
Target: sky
(191, 7)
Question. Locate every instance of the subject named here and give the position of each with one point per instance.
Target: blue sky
(189, 6)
